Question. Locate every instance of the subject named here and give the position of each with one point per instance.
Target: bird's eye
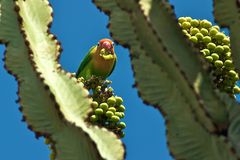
(98, 44)
(112, 43)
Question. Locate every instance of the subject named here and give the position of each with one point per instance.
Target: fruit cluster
(215, 48)
(108, 108)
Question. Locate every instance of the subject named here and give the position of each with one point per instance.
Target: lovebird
(100, 61)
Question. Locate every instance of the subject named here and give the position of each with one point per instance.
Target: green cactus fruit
(218, 63)
(207, 39)
(199, 36)
(236, 90)
(122, 125)
(194, 39)
(121, 108)
(211, 46)
(103, 106)
(118, 114)
(94, 104)
(111, 101)
(206, 52)
(194, 31)
(204, 31)
(186, 25)
(113, 109)
(213, 31)
(99, 111)
(115, 119)
(215, 56)
(194, 23)
(94, 118)
(109, 114)
(119, 101)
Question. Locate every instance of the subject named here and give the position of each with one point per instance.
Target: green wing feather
(84, 63)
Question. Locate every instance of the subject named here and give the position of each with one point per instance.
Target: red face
(106, 44)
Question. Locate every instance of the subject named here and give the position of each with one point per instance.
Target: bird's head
(105, 48)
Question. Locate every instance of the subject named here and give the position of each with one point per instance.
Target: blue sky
(79, 25)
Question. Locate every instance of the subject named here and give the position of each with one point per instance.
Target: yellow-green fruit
(121, 108)
(99, 111)
(119, 101)
(181, 20)
(111, 101)
(194, 22)
(207, 39)
(226, 40)
(228, 63)
(94, 104)
(213, 31)
(215, 56)
(204, 31)
(219, 36)
(112, 109)
(109, 114)
(94, 118)
(232, 73)
(122, 125)
(115, 118)
(104, 106)
(209, 58)
(226, 48)
(186, 25)
(118, 114)
(205, 52)
(218, 63)
(219, 49)
(206, 24)
(194, 31)
(199, 36)
(211, 46)
(194, 39)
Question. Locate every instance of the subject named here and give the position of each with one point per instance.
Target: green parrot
(100, 61)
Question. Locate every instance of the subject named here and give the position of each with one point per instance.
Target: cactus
(53, 103)
(202, 120)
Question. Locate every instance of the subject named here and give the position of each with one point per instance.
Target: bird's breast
(102, 65)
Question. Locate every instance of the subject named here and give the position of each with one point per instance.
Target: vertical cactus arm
(227, 14)
(59, 117)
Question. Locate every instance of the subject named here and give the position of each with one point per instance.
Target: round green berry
(209, 58)
(207, 39)
(228, 55)
(232, 73)
(194, 31)
(98, 88)
(204, 31)
(182, 19)
(218, 63)
(99, 111)
(226, 40)
(211, 46)
(188, 35)
(119, 100)
(94, 104)
(213, 31)
(216, 27)
(118, 114)
(104, 106)
(185, 31)
(219, 49)
(186, 25)
(194, 22)
(111, 101)
(113, 109)
(121, 108)
(205, 52)
(226, 48)
(110, 89)
(109, 114)
(236, 78)
(194, 39)
(228, 63)
(94, 118)
(219, 36)
(199, 35)
(122, 114)
(206, 24)
(121, 125)
(189, 19)
(215, 56)
(115, 118)
(236, 90)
